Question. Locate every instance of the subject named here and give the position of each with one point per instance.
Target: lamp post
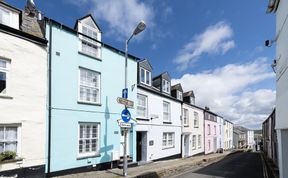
(140, 27)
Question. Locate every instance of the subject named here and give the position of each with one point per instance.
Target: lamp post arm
(126, 58)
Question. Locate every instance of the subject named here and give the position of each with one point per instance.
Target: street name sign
(125, 125)
(127, 103)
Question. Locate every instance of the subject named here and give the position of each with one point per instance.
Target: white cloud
(122, 16)
(216, 39)
(226, 91)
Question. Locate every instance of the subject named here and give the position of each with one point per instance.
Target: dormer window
(4, 16)
(165, 86)
(89, 44)
(145, 76)
(192, 100)
(179, 95)
(9, 16)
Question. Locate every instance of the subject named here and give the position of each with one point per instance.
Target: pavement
(240, 165)
(156, 169)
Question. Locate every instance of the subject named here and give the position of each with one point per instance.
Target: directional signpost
(125, 115)
(125, 102)
(125, 93)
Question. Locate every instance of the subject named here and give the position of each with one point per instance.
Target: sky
(215, 48)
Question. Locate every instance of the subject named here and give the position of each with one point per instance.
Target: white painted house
(250, 139)
(228, 135)
(158, 117)
(193, 126)
(279, 7)
(23, 88)
(220, 133)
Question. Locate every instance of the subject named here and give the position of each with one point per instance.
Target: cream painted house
(23, 92)
(193, 126)
(228, 135)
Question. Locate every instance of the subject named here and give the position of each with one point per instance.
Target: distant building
(270, 145)
(211, 129)
(243, 137)
(220, 133)
(228, 135)
(23, 91)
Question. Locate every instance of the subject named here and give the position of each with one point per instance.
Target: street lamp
(140, 27)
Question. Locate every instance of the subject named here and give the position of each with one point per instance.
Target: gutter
(49, 99)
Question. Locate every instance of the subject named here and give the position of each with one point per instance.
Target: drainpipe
(182, 135)
(49, 99)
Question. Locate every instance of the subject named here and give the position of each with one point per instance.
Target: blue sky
(215, 48)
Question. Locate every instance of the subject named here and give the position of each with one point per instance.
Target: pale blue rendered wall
(65, 73)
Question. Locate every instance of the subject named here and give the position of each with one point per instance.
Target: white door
(122, 143)
(186, 145)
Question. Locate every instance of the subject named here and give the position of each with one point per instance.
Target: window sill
(11, 161)
(186, 125)
(79, 157)
(89, 103)
(165, 148)
(142, 119)
(143, 83)
(196, 126)
(93, 57)
(6, 97)
(167, 122)
(194, 148)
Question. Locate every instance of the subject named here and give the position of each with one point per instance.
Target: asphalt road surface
(239, 165)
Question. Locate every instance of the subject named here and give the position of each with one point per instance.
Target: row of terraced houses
(58, 92)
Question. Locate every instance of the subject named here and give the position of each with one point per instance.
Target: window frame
(166, 88)
(145, 76)
(146, 107)
(185, 117)
(90, 153)
(9, 16)
(89, 42)
(194, 142)
(79, 87)
(18, 139)
(192, 100)
(199, 141)
(196, 119)
(167, 140)
(169, 111)
(179, 95)
(6, 70)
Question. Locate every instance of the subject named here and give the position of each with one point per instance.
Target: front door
(122, 143)
(139, 146)
(215, 144)
(186, 145)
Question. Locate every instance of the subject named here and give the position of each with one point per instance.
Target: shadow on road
(239, 165)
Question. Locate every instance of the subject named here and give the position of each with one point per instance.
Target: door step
(130, 164)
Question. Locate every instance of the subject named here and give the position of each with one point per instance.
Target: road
(239, 165)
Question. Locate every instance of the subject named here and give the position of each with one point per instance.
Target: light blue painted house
(86, 77)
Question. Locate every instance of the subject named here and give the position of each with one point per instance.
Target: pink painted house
(210, 131)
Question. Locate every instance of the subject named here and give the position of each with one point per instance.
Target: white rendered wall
(194, 130)
(28, 88)
(155, 127)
